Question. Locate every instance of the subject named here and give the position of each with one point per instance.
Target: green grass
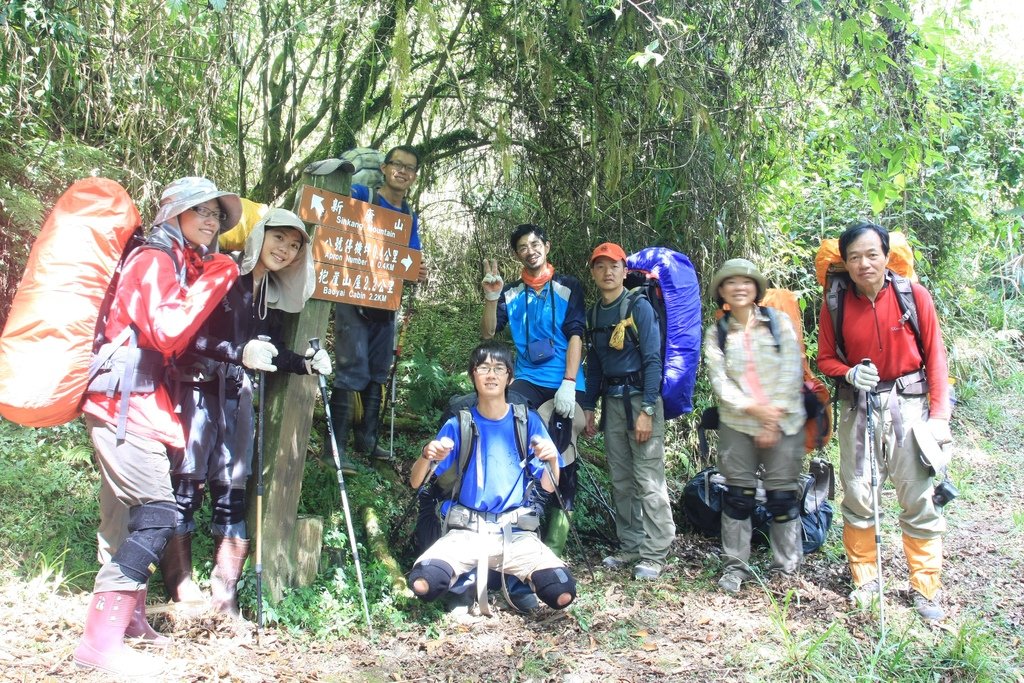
(50, 501)
(1018, 520)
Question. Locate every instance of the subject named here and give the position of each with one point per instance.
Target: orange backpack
(828, 261)
(818, 430)
(50, 333)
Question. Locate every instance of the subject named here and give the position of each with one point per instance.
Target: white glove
(318, 362)
(863, 377)
(565, 399)
(259, 355)
(492, 282)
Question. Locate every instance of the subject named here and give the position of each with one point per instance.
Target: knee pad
(549, 584)
(438, 575)
(738, 502)
(783, 506)
(188, 495)
(228, 504)
(150, 526)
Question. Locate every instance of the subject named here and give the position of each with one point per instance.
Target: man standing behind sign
(364, 337)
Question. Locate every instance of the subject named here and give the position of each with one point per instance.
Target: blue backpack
(668, 281)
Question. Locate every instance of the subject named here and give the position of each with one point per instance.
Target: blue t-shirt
(557, 313)
(495, 478)
(362, 193)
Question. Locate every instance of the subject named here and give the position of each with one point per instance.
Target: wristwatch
(648, 409)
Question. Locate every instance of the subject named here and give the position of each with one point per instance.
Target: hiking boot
(229, 555)
(521, 595)
(378, 453)
(459, 604)
(647, 570)
(176, 567)
(621, 560)
(348, 466)
(139, 627)
(366, 430)
(341, 422)
(929, 610)
(730, 583)
(102, 645)
(863, 597)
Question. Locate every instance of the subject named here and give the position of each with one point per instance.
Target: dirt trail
(676, 629)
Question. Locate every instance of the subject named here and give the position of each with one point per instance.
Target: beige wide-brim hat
(579, 421)
(738, 267)
(289, 288)
(184, 193)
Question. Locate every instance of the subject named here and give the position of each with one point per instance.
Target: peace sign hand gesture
(492, 283)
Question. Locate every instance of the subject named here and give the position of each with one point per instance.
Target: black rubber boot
(341, 419)
(366, 431)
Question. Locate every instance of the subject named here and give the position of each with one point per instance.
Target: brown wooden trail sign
(360, 250)
(291, 546)
(352, 268)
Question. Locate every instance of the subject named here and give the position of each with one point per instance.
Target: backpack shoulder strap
(722, 327)
(592, 320)
(626, 310)
(161, 241)
(773, 325)
(628, 303)
(521, 414)
(468, 436)
(835, 296)
(375, 200)
(904, 289)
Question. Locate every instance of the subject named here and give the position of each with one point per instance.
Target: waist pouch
(540, 350)
(462, 517)
(193, 370)
(108, 372)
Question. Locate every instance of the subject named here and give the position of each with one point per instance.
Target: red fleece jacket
(873, 330)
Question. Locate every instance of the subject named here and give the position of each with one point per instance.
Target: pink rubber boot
(102, 645)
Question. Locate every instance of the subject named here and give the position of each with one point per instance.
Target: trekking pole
(415, 500)
(871, 400)
(598, 491)
(568, 518)
(259, 500)
(393, 374)
(314, 344)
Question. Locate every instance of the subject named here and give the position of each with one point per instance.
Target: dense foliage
(725, 127)
(722, 127)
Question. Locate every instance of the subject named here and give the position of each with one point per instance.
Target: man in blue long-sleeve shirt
(624, 367)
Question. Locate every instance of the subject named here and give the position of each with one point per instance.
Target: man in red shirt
(907, 378)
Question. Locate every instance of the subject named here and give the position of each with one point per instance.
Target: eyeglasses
(210, 213)
(535, 245)
(399, 166)
(498, 370)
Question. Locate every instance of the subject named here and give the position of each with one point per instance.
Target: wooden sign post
(361, 256)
